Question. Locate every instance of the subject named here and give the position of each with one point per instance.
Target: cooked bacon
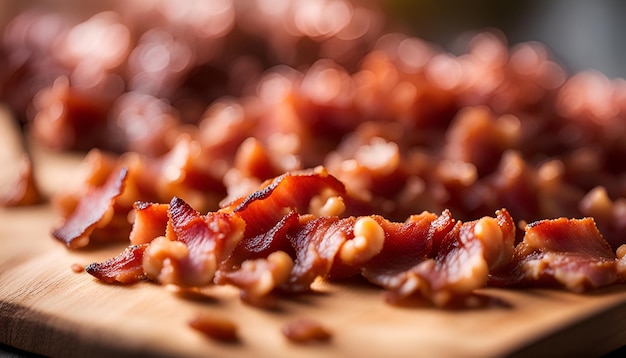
(271, 241)
(258, 277)
(125, 268)
(273, 221)
(150, 222)
(304, 330)
(562, 252)
(454, 259)
(261, 245)
(437, 257)
(406, 245)
(208, 240)
(290, 190)
(317, 244)
(77, 268)
(94, 210)
(219, 328)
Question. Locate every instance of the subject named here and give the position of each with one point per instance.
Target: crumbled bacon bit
(305, 330)
(257, 278)
(218, 328)
(77, 268)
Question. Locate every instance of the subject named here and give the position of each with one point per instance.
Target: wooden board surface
(47, 308)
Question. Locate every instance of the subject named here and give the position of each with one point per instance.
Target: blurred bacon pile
(207, 100)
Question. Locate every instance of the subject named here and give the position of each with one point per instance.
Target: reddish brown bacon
(194, 247)
(564, 252)
(286, 247)
(94, 210)
(127, 267)
(399, 123)
(450, 259)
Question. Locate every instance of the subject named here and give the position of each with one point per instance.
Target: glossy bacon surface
(317, 244)
(570, 253)
(455, 258)
(209, 239)
(270, 241)
(94, 210)
(151, 221)
(125, 268)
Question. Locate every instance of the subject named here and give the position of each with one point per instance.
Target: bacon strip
(264, 207)
(125, 268)
(208, 240)
(317, 244)
(94, 210)
(458, 262)
(569, 253)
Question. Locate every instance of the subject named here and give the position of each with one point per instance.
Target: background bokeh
(582, 34)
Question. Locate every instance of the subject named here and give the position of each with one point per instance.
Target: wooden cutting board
(48, 309)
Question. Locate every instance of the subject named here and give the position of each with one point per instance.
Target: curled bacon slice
(94, 210)
(264, 207)
(452, 261)
(562, 252)
(203, 242)
(126, 267)
(317, 244)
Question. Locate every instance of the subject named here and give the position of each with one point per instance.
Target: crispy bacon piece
(19, 188)
(125, 268)
(406, 245)
(203, 242)
(257, 278)
(452, 261)
(290, 190)
(570, 253)
(264, 243)
(273, 223)
(94, 210)
(150, 222)
(317, 244)
(304, 330)
(218, 328)
(436, 256)
(270, 240)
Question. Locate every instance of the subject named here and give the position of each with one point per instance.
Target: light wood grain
(46, 308)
